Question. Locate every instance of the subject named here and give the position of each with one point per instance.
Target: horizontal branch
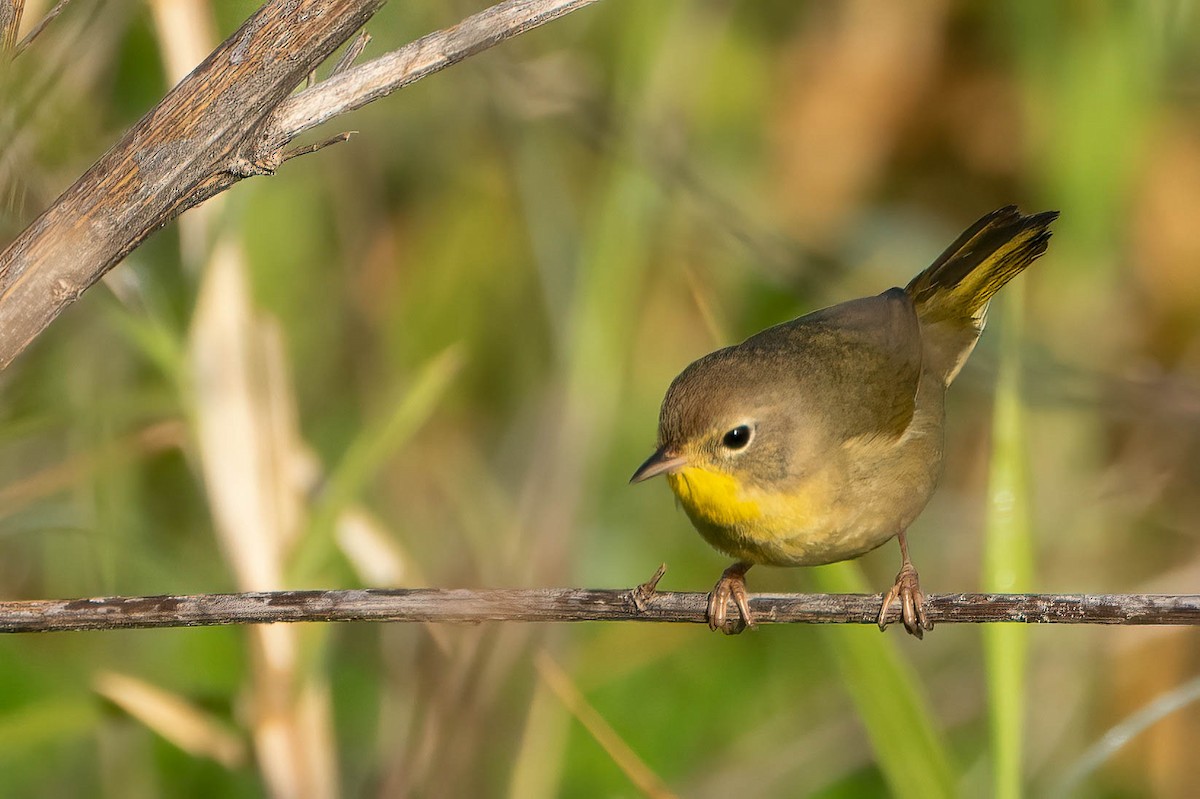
(572, 604)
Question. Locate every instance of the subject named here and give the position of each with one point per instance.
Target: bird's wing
(858, 364)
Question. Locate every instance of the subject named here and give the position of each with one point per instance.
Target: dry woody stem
(228, 120)
(573, 604)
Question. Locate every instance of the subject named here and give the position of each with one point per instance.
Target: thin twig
(351, 53)
(296, 152)
(41, 26)
(573, 604)
(367, 82)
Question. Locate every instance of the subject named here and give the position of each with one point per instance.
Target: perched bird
(819, 439)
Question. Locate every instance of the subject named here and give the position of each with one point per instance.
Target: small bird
(820, 439)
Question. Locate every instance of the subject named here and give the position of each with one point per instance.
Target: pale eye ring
(738, 437)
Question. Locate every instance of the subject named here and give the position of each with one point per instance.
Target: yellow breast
(799, 526)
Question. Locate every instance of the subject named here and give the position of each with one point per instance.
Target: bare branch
(295, 152)
(356, 87)
(573, 604)
(10, 22)
(227, 120)
(351, 54)
(37, 29)
(196, 134)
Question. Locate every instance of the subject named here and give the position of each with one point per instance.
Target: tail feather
(951, 296)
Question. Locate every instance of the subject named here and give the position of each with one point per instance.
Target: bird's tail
(951, 296)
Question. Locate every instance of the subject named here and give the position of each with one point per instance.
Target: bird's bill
(661, 462)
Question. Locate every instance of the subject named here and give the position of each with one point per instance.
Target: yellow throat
(713, 497)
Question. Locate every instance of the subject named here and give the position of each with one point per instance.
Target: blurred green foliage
(577, 214)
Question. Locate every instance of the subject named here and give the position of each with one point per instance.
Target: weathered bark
(573, 604)
(228, 120)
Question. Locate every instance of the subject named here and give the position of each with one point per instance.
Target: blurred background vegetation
(434, 355)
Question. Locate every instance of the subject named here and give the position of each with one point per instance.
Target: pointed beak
(659, 463)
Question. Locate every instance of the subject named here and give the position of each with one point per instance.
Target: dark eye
(737, 438)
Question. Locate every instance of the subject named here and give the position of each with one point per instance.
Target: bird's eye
(738, 437)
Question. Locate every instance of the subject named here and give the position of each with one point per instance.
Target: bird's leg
(908, 589)
(732, 585)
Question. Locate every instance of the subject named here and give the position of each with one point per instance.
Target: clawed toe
(732, 585)
(907, 589)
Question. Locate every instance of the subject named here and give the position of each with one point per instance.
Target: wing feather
(859, 364)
